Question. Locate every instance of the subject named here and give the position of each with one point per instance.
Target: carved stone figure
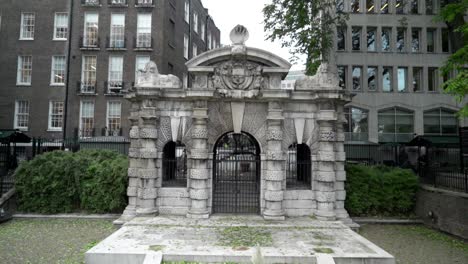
(150, 77)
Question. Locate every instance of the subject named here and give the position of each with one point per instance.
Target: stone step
(177, 239)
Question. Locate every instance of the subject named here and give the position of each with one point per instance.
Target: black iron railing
(91, 2)
(86, 87)
(116, 43)
(91, 43)
(144, 3)
(114, 87)
(174, 172)
(143, 42)
(117, 3)
(298, 174)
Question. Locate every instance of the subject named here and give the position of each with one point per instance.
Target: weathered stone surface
(275, 155)
(148, 173)
(200, 133)
(173, 192)
(148, 154)
(132, 191)
(271, 175)
(148, 193)
(199, 154)
(149, 133)
(134, 133)
(325, 196)
(199, 174)
(325, 176)
(275, 196)
(199, 194)
(274, 134)
(297, 204)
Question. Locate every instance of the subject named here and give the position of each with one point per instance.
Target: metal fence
(440, 166)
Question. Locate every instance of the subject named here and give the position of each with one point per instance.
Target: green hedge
(62, 182)
(380, 191)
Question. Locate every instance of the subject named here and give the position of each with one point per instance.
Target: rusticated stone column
(134, 165)
(199, 173)
(325, 178)
(147, 172)
(275, 158)
(340, 173)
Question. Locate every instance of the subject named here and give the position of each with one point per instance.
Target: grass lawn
(50, 241)
(417, 244)
(65, 241)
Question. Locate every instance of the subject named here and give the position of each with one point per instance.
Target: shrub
(380, 190)
(63, 182)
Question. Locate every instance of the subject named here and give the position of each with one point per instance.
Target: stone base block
(198, 216)
(147, 212)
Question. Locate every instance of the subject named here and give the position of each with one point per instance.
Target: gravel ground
(50, 241)
(417, 244)
(65, 241)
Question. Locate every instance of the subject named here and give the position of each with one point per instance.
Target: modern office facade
(107, 42)
(389, 55)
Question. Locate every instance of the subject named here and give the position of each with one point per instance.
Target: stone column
(325, 178)
(147, 172)
(199, 174)
(340, 173)
(133, 168)
(275, 174)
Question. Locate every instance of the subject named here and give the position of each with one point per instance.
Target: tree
(305, 26)
(453, 14)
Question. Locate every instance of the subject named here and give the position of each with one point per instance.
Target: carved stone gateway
(234, 127)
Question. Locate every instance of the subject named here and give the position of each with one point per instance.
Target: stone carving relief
(149, 77)
(238, 78)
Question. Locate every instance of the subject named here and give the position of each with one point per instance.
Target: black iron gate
(236, 187)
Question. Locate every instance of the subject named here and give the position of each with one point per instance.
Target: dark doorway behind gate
(236, 174)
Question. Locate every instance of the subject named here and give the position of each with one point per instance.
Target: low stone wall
(443, 210)
(299, 203)
(173, 201)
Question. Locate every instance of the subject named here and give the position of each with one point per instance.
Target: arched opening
(236, 174)
(298, 174)
(174, 165)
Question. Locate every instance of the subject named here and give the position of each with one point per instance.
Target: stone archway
(236, 174)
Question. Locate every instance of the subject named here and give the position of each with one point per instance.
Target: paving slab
(296, 240)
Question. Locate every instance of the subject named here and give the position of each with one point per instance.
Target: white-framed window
(115, 72)
(61, 26)
(186, 46)
(187, 11)
(195, 22)
(59, 66)
(140, 63)
(202, 30)
(21, 118)
(88, 74)
(24, 75)
(86, 118)
(114, 113)
(144, 31)
(28, 21)
(117, 31)
(195, 50)
(210, 46)
(91, 30)
(56, 115)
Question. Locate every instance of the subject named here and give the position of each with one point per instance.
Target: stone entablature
(238, 89)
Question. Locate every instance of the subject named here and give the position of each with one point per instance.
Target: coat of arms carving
(238, 79)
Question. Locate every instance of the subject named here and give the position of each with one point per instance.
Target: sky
(229, 13)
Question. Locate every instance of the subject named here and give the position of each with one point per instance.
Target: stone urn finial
(239, 35)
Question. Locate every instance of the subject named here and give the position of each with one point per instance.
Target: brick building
(110, 40)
